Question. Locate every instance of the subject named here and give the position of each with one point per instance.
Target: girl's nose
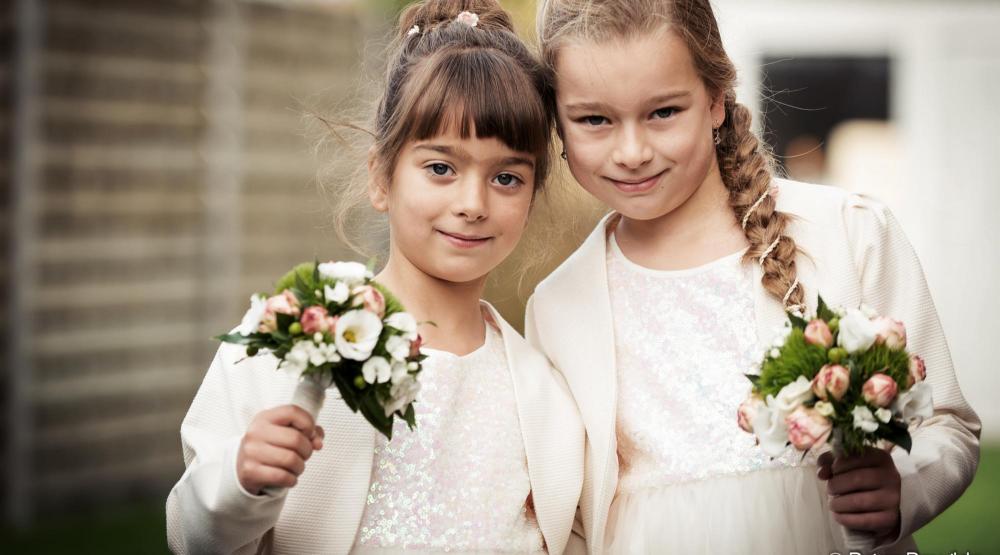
(470, 203)
(632, 151)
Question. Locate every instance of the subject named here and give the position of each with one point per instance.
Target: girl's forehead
(625, 67)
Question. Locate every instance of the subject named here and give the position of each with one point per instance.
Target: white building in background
(934, 163)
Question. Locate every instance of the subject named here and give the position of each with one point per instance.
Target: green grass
(968, 525)
(971, 523)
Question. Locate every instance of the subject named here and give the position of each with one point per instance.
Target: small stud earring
(716, 137)
(563, 155)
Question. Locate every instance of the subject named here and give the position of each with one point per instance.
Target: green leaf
(345, 385)
(899, 435)
(287, 281)
(754, 379)
(824, 311)
(235, 338)
(284, 320)
(315, 272)
(798, 323)
(374, 413)
(410, 417)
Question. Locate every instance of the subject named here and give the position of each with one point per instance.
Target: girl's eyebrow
(463, 155)
(602, 107)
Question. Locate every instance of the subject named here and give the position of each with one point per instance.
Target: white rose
(338, 293)
(399, 371)
(864, 419)
(376, 369)
(825, 408)
(297, 359)
(356, 333)
(354, 273)
(883, 415)
(405, 323)
(402, 393)
(915, 404)
(398, 347)
(792, 395)
(857, 332)
(770, 427)
(253, 316)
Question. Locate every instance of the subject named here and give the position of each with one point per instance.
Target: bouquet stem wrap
(311, 392)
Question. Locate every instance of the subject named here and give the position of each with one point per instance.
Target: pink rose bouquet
(330, 324)
(842, 378)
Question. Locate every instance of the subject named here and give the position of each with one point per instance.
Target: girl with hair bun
(460, 149)
(658, 315)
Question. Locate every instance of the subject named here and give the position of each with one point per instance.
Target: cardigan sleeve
(208, 511)
(945, 450)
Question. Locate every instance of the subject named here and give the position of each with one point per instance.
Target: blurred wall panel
(172, 181)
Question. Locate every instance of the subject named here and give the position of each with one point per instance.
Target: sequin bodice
(683, 341)
(458, 482)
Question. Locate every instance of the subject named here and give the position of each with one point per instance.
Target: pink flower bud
(890, 332)
(832, 380)
(879, 390)
(415, 345)
(746, 412)
(283, 303)
(316, 319)
(818, 333)
(807, 428)
(370, 298)
(918, 371)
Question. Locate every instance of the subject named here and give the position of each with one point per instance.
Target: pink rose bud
(890, 332)
(832, 380)
(807, 428)
(370, 298)
(879, 390)
(283, 303)
(415, 345)
(918, 371)
(315, 319)
(818, 333)
(746, 411)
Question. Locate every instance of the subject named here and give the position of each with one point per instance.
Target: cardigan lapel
(531, 377)
(588, 362)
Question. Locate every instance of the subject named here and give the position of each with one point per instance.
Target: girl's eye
(508, 180)
(594, 120)
(664, 113)
(439, 169)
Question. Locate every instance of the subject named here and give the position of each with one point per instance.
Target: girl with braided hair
(658, 315)
(460, 145)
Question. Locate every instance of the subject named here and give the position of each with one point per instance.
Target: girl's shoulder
(822, 210)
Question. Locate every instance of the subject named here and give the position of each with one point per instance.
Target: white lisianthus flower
(399, 371)
(770, 427)
(339, 293)
(824, 408)
(405, 323)
(356, 333)
(253, 316)
(883, 415)
(376, 369)
(353, 273)
(915, 404)
(398, 347)
(864, 420)
(297, 359)
(402, 393)
(792, 395)
(857, 332)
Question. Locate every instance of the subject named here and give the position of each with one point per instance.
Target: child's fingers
(860, 479)
(288, 438)
(292, 415)
(824, 470)
(877, 521)
(278, 457)
(864, 502)
(871, 457)
(270, 476)
(317, 441)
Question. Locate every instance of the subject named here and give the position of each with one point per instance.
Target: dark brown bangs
(478, 91)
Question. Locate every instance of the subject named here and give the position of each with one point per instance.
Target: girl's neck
(458, 326)
(703, 228)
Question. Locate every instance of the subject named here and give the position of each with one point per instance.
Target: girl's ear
(718, 109)
(378, 190)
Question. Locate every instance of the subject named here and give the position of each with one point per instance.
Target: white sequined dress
(459, 482)
(690, 480)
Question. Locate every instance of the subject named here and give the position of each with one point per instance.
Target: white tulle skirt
(776, 511)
